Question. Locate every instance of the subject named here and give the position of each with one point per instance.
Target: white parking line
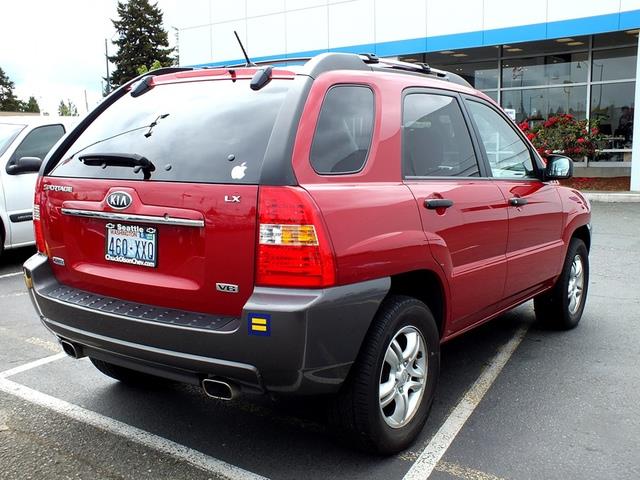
(30, 365)
(421, 469)
(162, 445)
(7, 275)
(443, 438)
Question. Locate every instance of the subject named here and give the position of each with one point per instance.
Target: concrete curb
(613, 197)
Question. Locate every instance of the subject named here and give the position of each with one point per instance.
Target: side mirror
(558, 167)
(24, 165)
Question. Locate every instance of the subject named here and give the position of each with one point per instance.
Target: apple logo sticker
(238, 171)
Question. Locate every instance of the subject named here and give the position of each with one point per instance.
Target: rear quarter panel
(372, 217)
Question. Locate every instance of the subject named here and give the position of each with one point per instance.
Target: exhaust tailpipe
(219, 389)
(74, 351)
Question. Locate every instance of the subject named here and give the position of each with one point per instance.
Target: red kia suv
(310, 229)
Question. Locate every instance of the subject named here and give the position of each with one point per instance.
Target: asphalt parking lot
(514, 401)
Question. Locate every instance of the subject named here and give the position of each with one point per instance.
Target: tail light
(293, 246)
(41, 245)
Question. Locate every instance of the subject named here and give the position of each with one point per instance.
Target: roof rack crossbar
(420, 68)
(399, 65)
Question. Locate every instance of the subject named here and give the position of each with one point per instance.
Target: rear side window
(435, 138)
(343, 134)
(38, 142)
(212, 131)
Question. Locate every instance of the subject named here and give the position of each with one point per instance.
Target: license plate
(131, 244)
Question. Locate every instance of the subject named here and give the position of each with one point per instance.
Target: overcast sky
(54, 50)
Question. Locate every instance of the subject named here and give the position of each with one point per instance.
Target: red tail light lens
(293, 246)
(41, 245)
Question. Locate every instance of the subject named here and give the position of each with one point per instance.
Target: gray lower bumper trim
(314, 336)
(166, 357)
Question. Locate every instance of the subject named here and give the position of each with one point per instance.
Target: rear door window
(345, 127)
(435, 138)
(213, 131)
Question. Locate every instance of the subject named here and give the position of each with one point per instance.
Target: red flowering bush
(565, 135)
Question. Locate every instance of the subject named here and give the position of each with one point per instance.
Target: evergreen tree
(8, 101)
(32, 105)
(141, 40)
(67, 109)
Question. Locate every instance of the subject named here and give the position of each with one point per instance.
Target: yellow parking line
(464, 473)
(51, 346)
(15, 294)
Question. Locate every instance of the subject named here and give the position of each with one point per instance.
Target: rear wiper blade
(138, 162)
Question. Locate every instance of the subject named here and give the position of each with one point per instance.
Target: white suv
(24, 142)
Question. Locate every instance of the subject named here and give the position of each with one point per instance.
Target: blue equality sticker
(259, 324)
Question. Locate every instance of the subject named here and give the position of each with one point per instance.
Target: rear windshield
(8, 132)
(213, 131)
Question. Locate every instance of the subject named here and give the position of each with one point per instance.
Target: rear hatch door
(155, 202)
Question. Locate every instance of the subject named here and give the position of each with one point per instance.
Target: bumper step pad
(136, 311)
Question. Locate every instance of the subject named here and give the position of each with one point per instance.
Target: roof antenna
(244, 52)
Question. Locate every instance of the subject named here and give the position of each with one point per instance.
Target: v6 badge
(227, 287)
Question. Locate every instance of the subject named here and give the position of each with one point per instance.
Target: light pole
(107, 89)
(177, 47)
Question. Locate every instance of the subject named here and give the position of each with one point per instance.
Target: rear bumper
(311, 340)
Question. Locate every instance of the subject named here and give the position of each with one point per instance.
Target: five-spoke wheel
(385, 401)
(562, 306)
(402, 377)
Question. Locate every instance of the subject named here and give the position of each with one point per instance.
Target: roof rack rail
(329, 61)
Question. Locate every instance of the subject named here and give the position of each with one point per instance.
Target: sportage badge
(119, 200)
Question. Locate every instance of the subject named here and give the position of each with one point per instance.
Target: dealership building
(536, 58)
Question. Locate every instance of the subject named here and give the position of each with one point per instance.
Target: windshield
(8, 132)
(200, 131)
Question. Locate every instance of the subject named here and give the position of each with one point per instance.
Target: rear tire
(561, 307)
(128, 376)
(385, 401)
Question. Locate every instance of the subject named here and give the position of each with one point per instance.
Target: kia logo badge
(119, 200)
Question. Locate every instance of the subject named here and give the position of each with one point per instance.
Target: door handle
(434, 203)
(518, 202)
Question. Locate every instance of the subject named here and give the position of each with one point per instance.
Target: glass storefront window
(450, 57)
(545, 47)
(478, 66)
(480, 75)
(612, 105)
(544, 78)
(540, 103)
(616, 39)
(616, 64)
(548, 70)
(493, 94)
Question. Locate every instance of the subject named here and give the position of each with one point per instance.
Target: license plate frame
(140, 242)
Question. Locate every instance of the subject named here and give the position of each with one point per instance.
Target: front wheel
(386, 399)
(562, 306)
